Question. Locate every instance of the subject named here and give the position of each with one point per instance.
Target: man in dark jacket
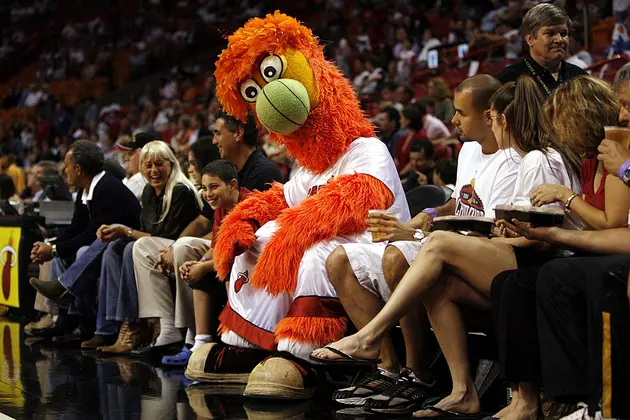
(546, 30)
(102, 199)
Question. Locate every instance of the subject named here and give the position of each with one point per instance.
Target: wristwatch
(54, 251)
(418, 235)
(129, 233)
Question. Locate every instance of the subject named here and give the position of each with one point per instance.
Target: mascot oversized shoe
(282, 377)
(222, 364)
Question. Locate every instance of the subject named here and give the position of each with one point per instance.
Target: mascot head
(276, 68)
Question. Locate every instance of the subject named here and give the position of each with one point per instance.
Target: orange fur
(237, 234)
(340, 208)
(331, 126)
(320, 331)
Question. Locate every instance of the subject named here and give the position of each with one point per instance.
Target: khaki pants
(154, 293)
(186, 249)
(41, 303)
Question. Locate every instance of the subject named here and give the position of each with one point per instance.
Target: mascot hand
(234, 239)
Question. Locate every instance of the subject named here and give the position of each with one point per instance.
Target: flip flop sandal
(179, 360)
(346, 361)
(454, 415)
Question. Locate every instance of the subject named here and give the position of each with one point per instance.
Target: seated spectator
(571, 373)
(7, 189)
(443, 105)
(201, 153)
(180, 141)
(422, 164)
(375, 78)
(433, 128)
(9, 167)
(198, 125)
(429, 42)
(404, 96)
(544, 63)
(34, 190)
(101, 199)
(412, 122)
(388, 123)
(237, 143)
(445, 175)
(220, 190)
(131, 149)
(169, 204)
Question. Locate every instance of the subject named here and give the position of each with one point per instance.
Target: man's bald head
(482, 87)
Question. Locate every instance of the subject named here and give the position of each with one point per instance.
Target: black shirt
(183, 210)
(112, 202)
(567, 72)
(258, 172)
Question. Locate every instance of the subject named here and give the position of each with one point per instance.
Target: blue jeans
(58, 266)
(81, 276)
(117, 292)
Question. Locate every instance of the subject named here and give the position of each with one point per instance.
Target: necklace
(540, 80)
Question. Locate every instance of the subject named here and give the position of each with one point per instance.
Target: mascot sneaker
(282, 378)
(220, 363)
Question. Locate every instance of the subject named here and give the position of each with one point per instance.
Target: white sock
(190, 337)
(201, 339)
(168, 333)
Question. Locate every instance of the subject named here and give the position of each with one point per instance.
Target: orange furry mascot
(275, 243)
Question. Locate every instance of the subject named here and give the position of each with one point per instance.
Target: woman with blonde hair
(441, 94)
(169, 203)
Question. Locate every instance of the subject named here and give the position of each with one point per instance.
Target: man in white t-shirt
(135, 181)
(365, 274)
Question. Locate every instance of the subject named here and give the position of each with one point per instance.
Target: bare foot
(505, 411)
(464, 403)
(523, 411)
(353, 345)
(508, 409)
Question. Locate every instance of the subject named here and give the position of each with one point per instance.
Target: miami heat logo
(469, 203)
(8, 260)
(317, 188)
(314, 190)
(241, 280)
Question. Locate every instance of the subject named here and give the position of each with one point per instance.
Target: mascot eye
(271, 68)
(249, 90)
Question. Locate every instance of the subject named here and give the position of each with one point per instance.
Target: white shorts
(366, 261)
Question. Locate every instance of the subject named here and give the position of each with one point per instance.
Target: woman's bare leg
(515, 401)
(526, 408)
(476, 260)
(442, 304)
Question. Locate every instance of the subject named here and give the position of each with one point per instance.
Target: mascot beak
(283, 91)
(283, 106)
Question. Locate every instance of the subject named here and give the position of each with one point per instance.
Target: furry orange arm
(340, 208)
(237, 231)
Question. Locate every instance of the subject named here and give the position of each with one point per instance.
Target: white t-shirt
(435, 128)
(365, 156)
(484, 181)
(537, 169)
(136, 184)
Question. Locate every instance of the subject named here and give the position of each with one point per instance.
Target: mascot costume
(274, 245)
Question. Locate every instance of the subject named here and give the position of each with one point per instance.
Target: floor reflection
(42, 381)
